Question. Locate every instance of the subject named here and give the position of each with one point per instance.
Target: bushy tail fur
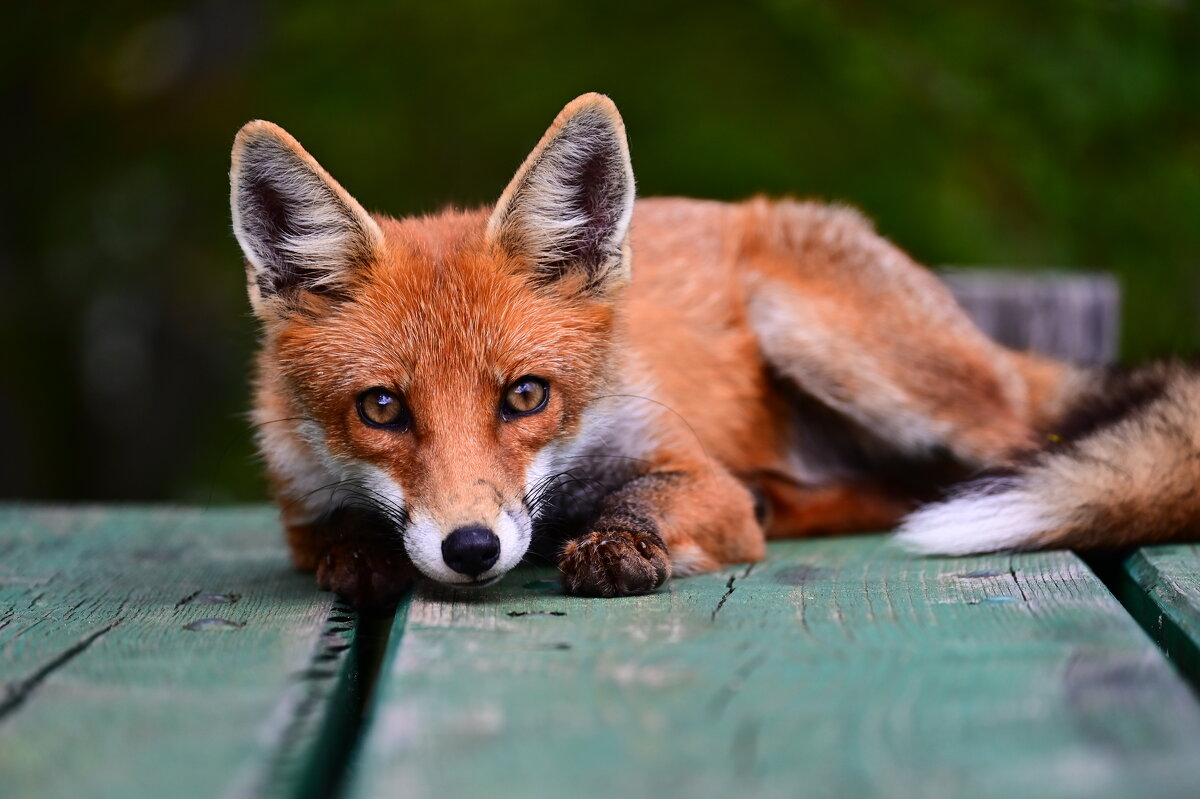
(1121, 468)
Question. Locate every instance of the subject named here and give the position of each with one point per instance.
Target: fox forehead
(441, 305)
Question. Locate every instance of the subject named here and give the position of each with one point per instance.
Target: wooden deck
(172, 652)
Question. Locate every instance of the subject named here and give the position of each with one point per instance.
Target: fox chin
(639, 389)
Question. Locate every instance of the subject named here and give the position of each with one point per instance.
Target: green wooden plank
(840, 667)
(155, 652)
(1161, 587)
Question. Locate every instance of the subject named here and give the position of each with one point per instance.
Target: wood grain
(839, 668)
(154, 652)
(1161, 587)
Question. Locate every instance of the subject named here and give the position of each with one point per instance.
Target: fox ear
(568, 207)
(298, 229)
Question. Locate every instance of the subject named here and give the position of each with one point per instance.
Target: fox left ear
(300, 231)
(567, 210)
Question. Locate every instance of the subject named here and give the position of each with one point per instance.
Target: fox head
(433, 367)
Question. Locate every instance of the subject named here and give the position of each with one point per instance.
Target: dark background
(1030, 135)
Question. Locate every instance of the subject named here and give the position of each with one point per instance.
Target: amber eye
(378, 407)
(525, 395)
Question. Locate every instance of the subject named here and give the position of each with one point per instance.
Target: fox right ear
(298, 229)
(568, 208)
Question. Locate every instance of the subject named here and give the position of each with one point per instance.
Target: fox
(640, 388)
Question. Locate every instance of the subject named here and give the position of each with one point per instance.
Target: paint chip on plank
(975, 575)
(518, 613)
(200, 625)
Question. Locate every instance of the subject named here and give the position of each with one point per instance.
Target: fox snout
(471, 550)
(470, 554)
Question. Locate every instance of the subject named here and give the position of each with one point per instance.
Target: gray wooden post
(1070, 315)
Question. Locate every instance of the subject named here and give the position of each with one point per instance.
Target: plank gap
(1141, 591)
(343, 733)
(339, 683)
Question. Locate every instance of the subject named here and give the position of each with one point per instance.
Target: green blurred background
(1032, 135)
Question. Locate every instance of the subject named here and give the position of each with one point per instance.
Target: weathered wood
(1070, 315)
(153, 652)
(840, 667)
(1162, 589)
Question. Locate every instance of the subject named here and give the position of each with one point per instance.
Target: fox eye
(378, 407)
(525, 395)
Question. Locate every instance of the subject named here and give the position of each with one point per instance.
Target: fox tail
(1122, 469)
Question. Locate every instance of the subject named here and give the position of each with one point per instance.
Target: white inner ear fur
(296, 226)
(570, 203)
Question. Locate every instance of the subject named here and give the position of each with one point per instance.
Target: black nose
(471, 550)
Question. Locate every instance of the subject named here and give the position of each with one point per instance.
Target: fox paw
(614, 563)
(367, 576)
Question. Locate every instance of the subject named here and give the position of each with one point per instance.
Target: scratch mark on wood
(868, 605)
(886, 589)
(801, 609)
(18, 691)
(1021, 588)
(729, 589)
(199, 598)
(188, 598)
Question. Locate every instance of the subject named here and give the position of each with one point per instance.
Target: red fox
(649, 389)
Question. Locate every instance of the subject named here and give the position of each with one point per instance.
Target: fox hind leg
(853, 322)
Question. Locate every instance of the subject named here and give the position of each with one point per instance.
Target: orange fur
(778, 350)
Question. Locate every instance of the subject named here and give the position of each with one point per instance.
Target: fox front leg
(356, 556)
(659, 524)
